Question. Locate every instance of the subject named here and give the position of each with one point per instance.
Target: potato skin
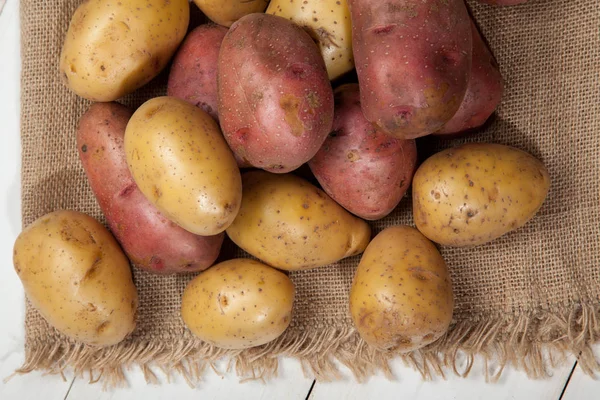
(413, 60)
(149, 239)
(77, 277)
(292, 225)
(472, 194)
(113, 48)
(226, 12)
(193, 75)
(238, 304)
(275, 100)
(180, 162)
(484, 91)
(363, 169)
(328, 23)
(401, 296)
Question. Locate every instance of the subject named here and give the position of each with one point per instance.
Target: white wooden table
(567, 383)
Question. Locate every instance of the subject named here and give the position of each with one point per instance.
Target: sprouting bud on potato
(181, 163)
(292, 225)
(472, 194)
(238, 304)
(75, 274)
(401, 297)
(114, 48)
(328, 23)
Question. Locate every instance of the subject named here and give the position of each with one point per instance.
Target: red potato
(360, 167)
(275, 99)
(150, 240)
(503, 2)
(483, 93)
(413, 59)
(193, 75)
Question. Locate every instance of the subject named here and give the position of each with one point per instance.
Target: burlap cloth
(531, 291)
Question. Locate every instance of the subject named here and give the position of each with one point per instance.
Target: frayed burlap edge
(532, 342)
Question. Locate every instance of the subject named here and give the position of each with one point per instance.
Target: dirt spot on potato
(84, 148)
(156, 192)
(93, 270)
(290, 104)
(353, 155)
(223, 302)
(102, 327)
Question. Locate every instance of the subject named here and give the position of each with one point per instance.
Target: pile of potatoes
(269, 89)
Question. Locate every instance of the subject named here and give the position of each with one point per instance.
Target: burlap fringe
(534, 342)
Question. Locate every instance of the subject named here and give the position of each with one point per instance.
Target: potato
(77, 277)
(484, 91)
(181, 163)
(226, 12)
(477, 192)
(113, 48)
(292, 225)
(193, 75)
(275, 100)
(151, 241)
(361, 168)
(238, 304)
(401, 295)
(328, 23)
(413, 59)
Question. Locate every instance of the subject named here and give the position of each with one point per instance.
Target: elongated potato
(413, 59)
(401, 297)
(361, 168)
(238, 304)
(151, 241)
(113, 48)
(75, 274)
(181, 163)
(484, 91)
(275, 100)
(475, 193)
(226, 12)
(328, 23)
(292, 225)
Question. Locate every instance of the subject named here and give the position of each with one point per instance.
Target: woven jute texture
(520, 300)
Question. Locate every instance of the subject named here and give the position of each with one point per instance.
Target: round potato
(401, 296)
(113, 48)
(226, 12)
(359, 166)
(328, 23)
(181, 163)
(238, 304)
(475, 193)
(275, 100)
(292, 225)
(75, 274)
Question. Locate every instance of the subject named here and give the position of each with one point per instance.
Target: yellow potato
(115, 47)
(401, 296)
(328, 22)
(75, 274)
(226, 12)
(238, 304)
(181, 163)
(477, 192)
(292, 225)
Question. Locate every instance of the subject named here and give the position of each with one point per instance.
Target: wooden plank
(582, 386)
(290, 385)
(513, 385)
